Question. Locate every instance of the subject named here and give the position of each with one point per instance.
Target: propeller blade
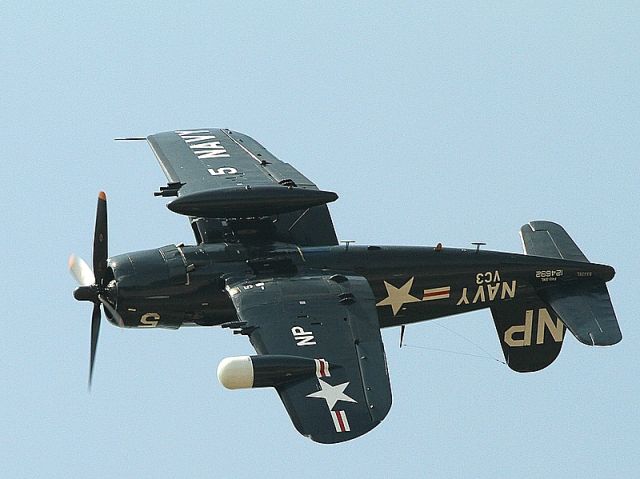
(81, 271)
(95, 331)
(401, 334)
(100, 250)
(92, 284)
(107, 305)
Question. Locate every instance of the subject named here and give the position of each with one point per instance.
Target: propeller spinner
(93, 284)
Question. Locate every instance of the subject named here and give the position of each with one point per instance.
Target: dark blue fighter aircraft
(267, 265)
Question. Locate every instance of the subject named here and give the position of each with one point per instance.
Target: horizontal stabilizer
(586, 309)
(544, 238)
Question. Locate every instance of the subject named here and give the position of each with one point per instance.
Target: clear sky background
(433, 123)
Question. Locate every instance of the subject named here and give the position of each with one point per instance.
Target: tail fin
(530, 333)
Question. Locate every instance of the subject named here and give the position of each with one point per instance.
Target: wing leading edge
(332, 320)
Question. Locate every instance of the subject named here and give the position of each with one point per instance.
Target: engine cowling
(169, 287)
(268, 370)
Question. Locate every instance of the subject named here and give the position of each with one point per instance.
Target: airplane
(267, 264)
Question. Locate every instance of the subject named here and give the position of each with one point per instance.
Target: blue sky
(434, 123)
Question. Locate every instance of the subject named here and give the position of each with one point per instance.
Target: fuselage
(179, 285)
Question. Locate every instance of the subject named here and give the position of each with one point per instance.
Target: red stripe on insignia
(437, 293)
(322, 368)
(336, 424)
(340, 421)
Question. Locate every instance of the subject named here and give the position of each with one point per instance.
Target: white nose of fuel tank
(236, 372)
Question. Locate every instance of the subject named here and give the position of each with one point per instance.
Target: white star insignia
(397, 297)
(332, 394)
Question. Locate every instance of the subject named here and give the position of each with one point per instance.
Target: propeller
(93, 284)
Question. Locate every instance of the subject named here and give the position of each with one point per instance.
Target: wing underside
(223, 180)
(331, 319)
